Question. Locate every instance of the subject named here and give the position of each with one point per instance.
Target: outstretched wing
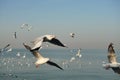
(56, 42)
(26, 46)
(33, 51)
(38, 39)
(37, 42)
(116, 69)
(54, 64)
(6, 46)
(111, 54)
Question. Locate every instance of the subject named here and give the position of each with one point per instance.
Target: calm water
(19, 65)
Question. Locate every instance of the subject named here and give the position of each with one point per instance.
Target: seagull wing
(54, 64)
(37, 42)
(6, 46)
(39, 39)
(111, 54)
(33, 51)
(26, 46)
(37, 45)
(56, 42)
(116, 69)
(37, 54)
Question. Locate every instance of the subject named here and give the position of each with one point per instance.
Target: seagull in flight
(79, 54)
(113, 64)
(5, 48)
(47, 38)
(26, 26)
(40, 59)
(15, 36)
(72, 35)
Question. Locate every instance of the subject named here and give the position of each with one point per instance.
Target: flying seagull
(26, 26)
(79, 54)
(15, 36)
(112, 60)
(47, 38)
(72, 35)
(5, 48)
(40, 59)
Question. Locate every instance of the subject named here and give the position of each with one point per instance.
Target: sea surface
(19, 65)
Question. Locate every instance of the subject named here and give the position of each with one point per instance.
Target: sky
(95, 23)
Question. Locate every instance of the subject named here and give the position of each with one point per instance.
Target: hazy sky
(95, 23)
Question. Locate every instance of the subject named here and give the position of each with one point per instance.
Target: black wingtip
(56, 42)
(29, 48)
(54, 64)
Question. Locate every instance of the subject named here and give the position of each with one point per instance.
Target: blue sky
(96, 23)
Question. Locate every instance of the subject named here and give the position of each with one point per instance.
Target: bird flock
(35, 50)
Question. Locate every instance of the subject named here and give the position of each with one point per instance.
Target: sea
(18, 64)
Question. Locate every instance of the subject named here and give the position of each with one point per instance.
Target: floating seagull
(18, 54)
(72, 59)
(40, 58)
(24, 56)
(72, 35)
(47, 38)
(112, 60)
(78, 54)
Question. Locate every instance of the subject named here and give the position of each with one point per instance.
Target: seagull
(27, 26)
(47, 38)
(18, 54)
(113, 64)
(78, 54)
(10, 49)
(72, 35)
(40, 59)
(72, 59)
(24, 25)
(6, 46)
(15, 36)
